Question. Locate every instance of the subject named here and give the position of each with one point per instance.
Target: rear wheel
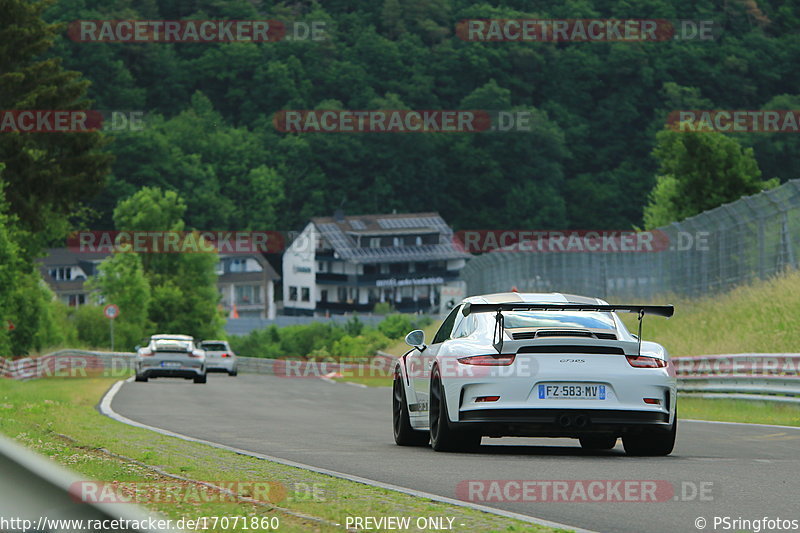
(651, 442)
(234, 372)
(201, 379)
(598, 442)
(443, 437)
(140, 378)
(404, 434)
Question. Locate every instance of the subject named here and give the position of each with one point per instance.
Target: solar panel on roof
(358, 224)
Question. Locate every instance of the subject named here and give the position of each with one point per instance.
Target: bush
(361, 347)
(383, 308)
(91, 325)
(398, 325)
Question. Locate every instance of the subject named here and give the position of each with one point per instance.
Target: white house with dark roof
(346, 264)
(244, 280)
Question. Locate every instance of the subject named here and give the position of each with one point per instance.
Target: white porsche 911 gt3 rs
(536, 365)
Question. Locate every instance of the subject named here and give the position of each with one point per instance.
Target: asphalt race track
(753, 469)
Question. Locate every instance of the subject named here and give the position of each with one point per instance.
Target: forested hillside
(586, 163)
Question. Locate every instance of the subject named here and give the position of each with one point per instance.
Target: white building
(350, 263)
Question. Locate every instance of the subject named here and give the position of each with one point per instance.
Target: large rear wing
(641, 310)
(498, 308)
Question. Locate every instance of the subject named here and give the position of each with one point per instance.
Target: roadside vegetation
(748, 411)
(760, 317)
(56, 417)
(350, 341)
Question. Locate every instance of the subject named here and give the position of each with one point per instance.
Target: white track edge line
(738, 423)
(106, 409)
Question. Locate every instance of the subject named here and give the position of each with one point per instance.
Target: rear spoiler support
(497, 336)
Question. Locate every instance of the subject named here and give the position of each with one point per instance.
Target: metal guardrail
(764, 376)
(750, 376)
(40, 495)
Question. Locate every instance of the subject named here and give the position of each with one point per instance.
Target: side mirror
(137, 348)
(416, 339)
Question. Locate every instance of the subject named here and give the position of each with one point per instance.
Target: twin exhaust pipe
(577, 421)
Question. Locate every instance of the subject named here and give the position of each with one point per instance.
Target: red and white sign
(111, 311)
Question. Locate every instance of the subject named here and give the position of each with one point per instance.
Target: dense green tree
(47, 174)
(121, 281)
(184, 294)
(699, 170)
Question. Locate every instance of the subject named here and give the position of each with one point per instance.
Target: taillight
(641, 361)
(488, 360)
(225, 355)
(487, 399)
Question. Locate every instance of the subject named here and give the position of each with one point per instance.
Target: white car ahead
(170, 356)
(220, 357)
(536, 365)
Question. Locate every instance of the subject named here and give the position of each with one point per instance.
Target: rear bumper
(224, 365)
(559, 422)
(157, 371)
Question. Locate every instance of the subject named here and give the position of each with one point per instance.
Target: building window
(61, 273)
(292, 294)
(74, 300)
(398, 268)
(375, 242)
(248, 294)
(238, 265)
(397, 241)
(322, 266)
(341, 294)
(419, 241)
(305, 294)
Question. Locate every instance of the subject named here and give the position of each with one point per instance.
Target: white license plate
(571, 391)
(170, 364)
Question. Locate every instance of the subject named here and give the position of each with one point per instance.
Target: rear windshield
(556, 319)
(214, 346)
(170, 345)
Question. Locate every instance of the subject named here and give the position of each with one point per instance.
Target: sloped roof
(341, 233)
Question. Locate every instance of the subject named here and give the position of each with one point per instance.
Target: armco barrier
(766, 376)
(762, 376)
(37, 495)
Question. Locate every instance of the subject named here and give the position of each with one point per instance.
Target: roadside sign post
(111, 312)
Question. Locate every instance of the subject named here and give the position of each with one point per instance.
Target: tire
(201, 379)
(443, 437)
(598, 442)
(234, 372)
(404, 434)
(141, 379)
(652, 442)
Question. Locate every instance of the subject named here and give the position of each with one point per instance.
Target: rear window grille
(526, 335)
(608, 336)
(611, 350)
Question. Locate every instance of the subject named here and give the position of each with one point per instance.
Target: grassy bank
(57, 417)
(760, 317)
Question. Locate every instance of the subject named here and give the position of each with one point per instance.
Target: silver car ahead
(172, 356)
(220, 357)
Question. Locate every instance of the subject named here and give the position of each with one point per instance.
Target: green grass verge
(760, 318)
(400, 347)
(57, 417)
(749, 411)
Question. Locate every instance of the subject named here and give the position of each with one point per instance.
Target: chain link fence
(754, 237)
